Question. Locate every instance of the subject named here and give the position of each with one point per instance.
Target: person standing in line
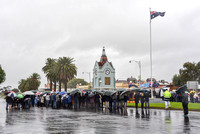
(9, 102)
(106, 101)
(54, 101)
(125, 101)
(69, 99)
(57, 101)
(86, 100)
(167, 96)
(146, 99)
(47, 100)
(114, 97)
(97, 101)
(137, 98)
(142, 100)
(117, 101)
(42, 101)
(35, 100)
(38, 100)
(51, 99)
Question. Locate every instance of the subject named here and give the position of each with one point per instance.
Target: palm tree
(54, 74)
(23, 85)
(49, 70)
(67, 70)
(34, 81)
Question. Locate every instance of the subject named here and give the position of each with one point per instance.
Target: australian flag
(155, 14)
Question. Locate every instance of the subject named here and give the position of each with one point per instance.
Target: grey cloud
(32, 31)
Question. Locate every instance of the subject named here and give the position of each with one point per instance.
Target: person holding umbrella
(10, 99)
(184, 97)
(137, 98)
(146, 99)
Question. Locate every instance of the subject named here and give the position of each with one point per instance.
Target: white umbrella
(28, 93)
(12, 94)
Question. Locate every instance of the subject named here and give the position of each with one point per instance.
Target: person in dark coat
(142, 100)
(107, 98)
(184, 97)
(76, 100)
(137, 98)
(110, 103)
(118, 100)
(97, 102)
(125, 101)
(54, 101)
(86, 99)
(9, 102)
(191, 97)
(146, 99)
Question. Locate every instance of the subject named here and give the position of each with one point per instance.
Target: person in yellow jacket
(167, 96)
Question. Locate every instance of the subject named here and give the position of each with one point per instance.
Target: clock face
(107, 72)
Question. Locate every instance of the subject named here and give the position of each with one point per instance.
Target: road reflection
(118, 121)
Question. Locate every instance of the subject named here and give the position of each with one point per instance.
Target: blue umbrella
(63, 92)
(133, 85)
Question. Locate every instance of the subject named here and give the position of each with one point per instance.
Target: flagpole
(151, 55)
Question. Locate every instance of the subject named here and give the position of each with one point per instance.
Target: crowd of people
(90, 99)
(193, 97)
(86, 99)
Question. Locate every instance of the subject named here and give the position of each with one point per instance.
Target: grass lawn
(174, 105)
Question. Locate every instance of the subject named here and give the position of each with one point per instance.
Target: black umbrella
(123, 93)
(143, 90)
(135, 90)
(97, 91)
(108, 93)
(181, 89)
(75, 91)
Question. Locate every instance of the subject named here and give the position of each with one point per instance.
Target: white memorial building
(103, 73)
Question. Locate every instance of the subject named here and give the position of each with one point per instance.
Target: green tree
(31, 83)
(190, 72)
(177, 80)
(2, 75)
(72, 83)
(67, 71)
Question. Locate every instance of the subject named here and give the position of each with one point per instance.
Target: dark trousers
(136, 105)
(146, 103)
(142, 105)
(185, 108)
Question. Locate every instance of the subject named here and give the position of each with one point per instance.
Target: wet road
(43, 121)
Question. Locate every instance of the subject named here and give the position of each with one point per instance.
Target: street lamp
(139, 63)
(89, 76)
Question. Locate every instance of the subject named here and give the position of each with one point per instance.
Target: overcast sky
(33, 30)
